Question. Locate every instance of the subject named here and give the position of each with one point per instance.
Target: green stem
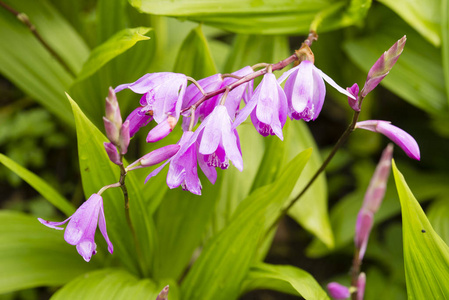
(337, 146)
(22, 17)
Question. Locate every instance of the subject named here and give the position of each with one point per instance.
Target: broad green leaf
(97, 171)
(182, 219)
(286, 279)
(311, 210)
(225, 260)
(445, 41)
(40, 185)
(426, 256)
(112, 284)
(417, 76)
(423, 16)
(194, 57)
(32, 255)
(36, 72)
(344, 214)
(438, 215)
(114, 46)
(111, 18)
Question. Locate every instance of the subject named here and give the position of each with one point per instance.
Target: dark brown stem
(127, 214)
(22, 17)
(355, 271)
(337, 146)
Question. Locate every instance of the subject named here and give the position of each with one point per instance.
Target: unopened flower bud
(365, 220)
(338, 291)
(383, 66)
(112, 109)
(113, 154)
(124, 138)
(112, 131)
(354, 103)
(395, 134)
(154, 157)
(162, 130)
(163, 295)
(361, 282)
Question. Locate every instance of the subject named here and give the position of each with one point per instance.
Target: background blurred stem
(22, 17)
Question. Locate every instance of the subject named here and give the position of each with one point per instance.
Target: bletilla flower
(243, 91)
(305, 90)
(267, 106)
(138, 118)
(219, 142)
(163, 94)
(183, 166)
(81, 229)
(338, 291)
(397, 135)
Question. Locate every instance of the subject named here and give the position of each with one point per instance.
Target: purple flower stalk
(338, 291)
(267, 106)
(81, 229)
(305, 90)
(383, 66)
(395, 134)
(371, 203)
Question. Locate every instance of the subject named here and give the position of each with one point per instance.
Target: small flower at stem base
(361, 282)
(395, 134)
(81, 229)
(354, 103)
(338, 291)
(124, 138)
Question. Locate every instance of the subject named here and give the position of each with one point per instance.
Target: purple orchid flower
(338, 291)
(267, 106)
(397, 135)
(305, 90)
(138, 119)
(81, 229)
(163, 94)
(183, 166)
(243, 91)
(219, 142)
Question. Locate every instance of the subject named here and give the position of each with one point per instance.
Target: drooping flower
(243, 91)
(81, 229)
(305, 90)
(138, 118)
(338, 291)
(395, 134)
(183, 168)
(354, 102)
(219, 142)
(163, 95)
(267, 106)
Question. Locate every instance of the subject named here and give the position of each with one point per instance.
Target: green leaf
(225, 260)
(445, 42)
(438, 215)
(343, 215)
(112, 284)
(97, 171)
(36, 72)
(311, 210)
(32, 255)
(286, 279)
(177, 209)
(424, 17)
(114, 46)
(111, 18)
(40, 185)
(426, 256)
(194, 57)
(417, 76)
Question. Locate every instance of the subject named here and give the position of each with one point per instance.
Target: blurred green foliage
(106, 43)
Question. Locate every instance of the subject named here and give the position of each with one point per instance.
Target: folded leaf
(426, 256)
